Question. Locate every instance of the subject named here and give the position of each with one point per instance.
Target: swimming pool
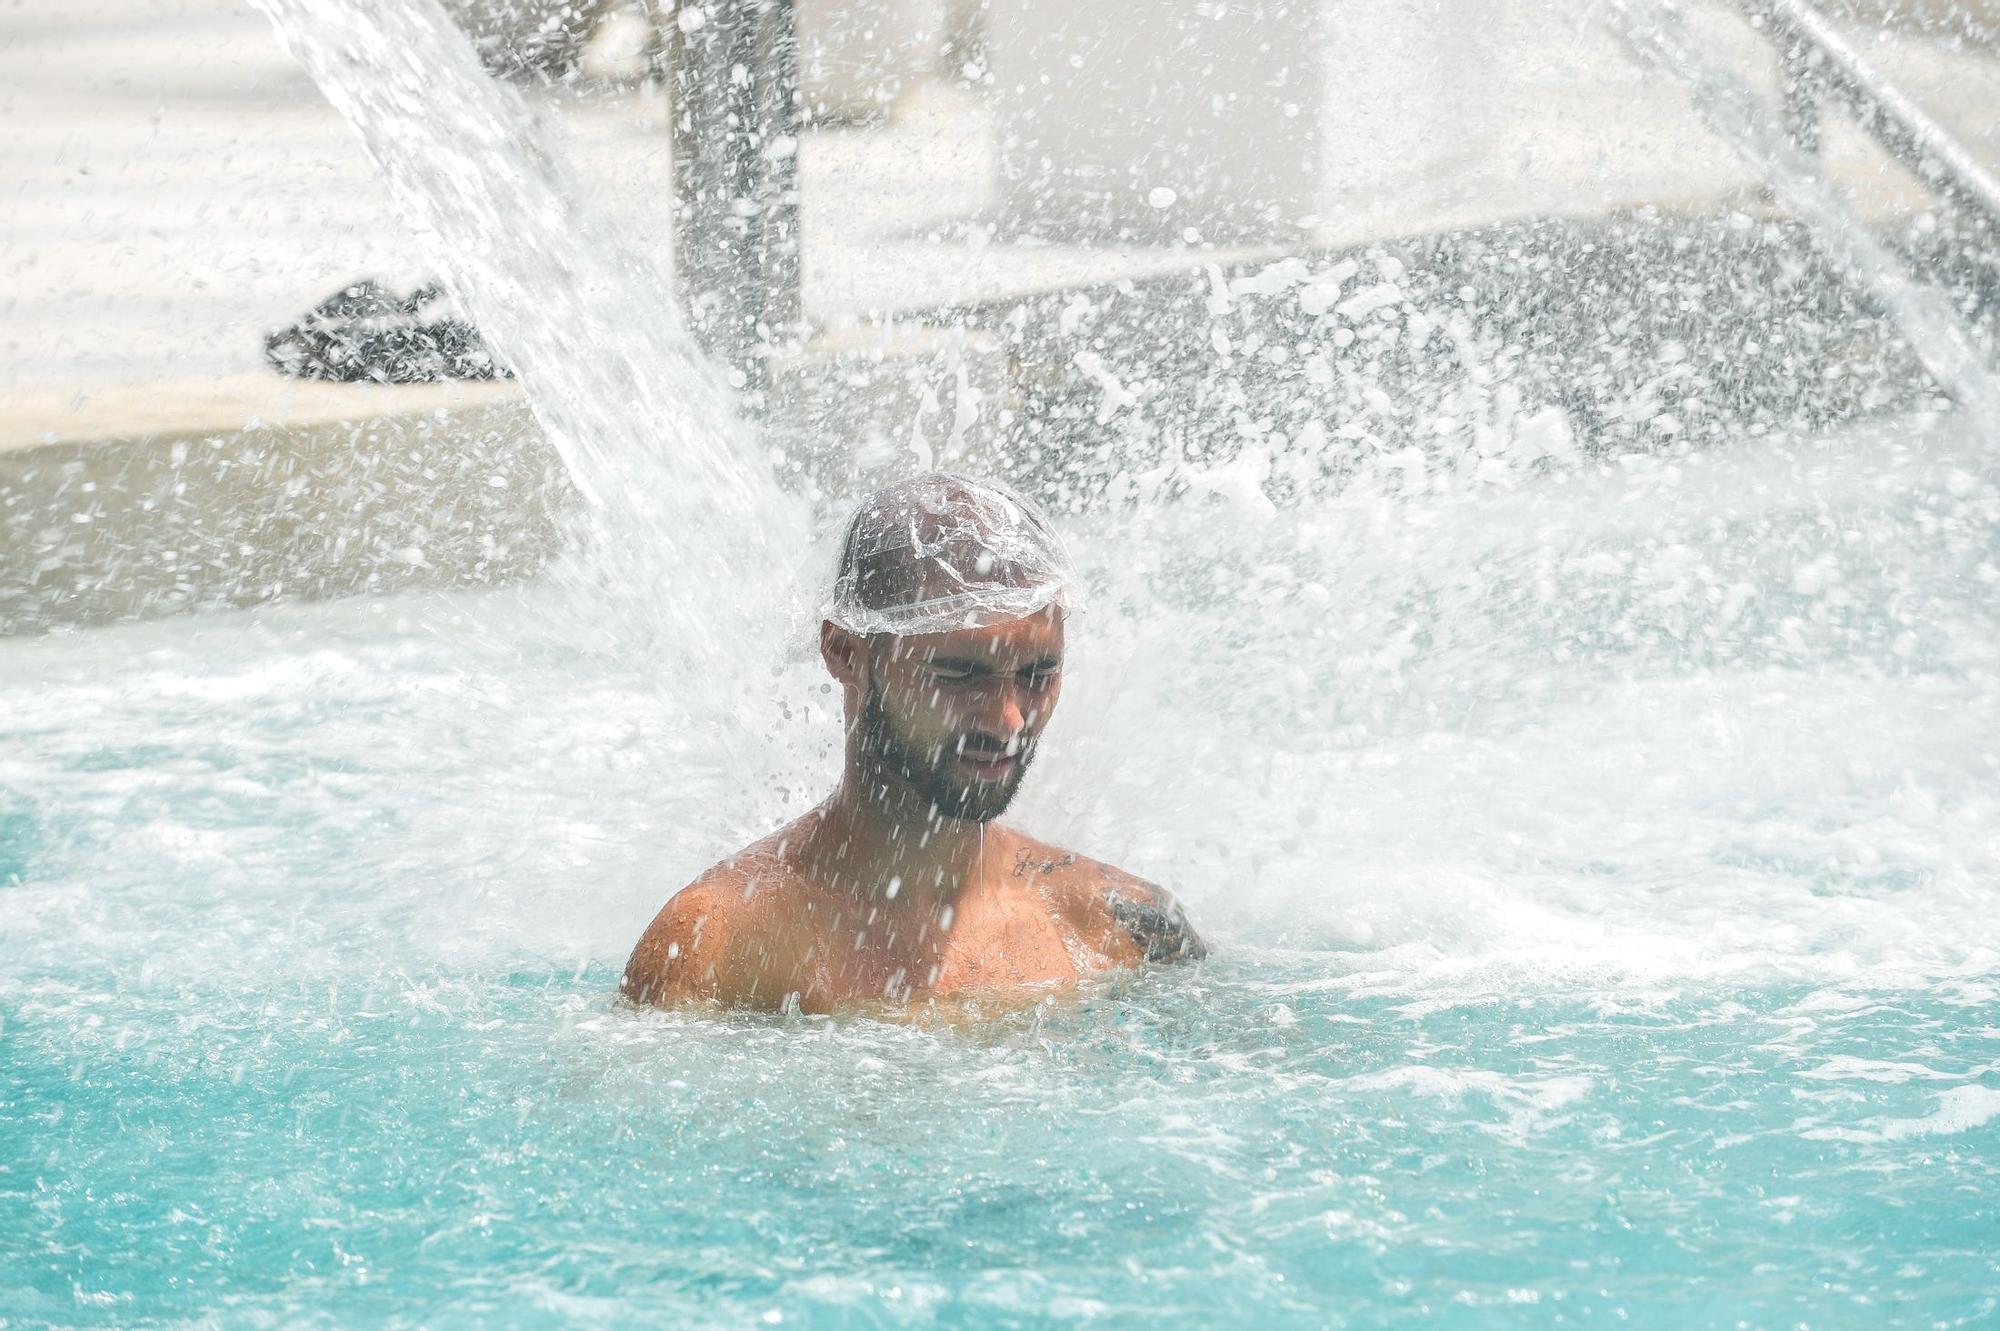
(1603, 867)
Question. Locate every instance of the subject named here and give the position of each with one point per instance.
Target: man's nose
(1002, 712)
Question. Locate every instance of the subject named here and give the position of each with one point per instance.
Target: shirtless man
(945, 632)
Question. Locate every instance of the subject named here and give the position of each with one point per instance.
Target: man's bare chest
(1010, 942)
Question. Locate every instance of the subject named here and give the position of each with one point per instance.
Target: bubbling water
(1704, 720)
(1724, 712)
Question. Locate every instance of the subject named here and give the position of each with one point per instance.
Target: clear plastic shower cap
(940, 552)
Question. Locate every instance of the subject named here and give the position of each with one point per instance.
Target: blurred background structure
(950, 180)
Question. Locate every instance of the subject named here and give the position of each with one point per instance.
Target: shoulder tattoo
(1026, 862)
(1157, 924)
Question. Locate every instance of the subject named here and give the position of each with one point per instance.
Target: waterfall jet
(945, 629)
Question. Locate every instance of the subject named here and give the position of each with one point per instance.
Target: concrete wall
(167, 519)
(1412, 91)
(857, 56)
(1147, 120)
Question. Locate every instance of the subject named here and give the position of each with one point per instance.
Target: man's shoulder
(718, 894)
(1101, 899)
(682, 953)
(726, 891)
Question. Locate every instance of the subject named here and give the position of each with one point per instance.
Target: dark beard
(929, 773)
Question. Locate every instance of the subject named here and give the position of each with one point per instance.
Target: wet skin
(900, 886)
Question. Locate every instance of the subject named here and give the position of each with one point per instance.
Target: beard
(930, 770)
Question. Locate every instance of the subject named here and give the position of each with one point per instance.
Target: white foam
(1961, 1109)
(1958, 1110)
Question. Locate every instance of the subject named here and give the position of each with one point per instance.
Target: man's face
(956, 715)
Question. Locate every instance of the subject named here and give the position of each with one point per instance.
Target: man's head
(946, 630)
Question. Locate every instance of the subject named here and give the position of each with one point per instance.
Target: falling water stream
(1601, 853)
(643, 422)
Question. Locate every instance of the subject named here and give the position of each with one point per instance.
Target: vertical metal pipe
(1803, 88)
(778, 183)
(733, 75)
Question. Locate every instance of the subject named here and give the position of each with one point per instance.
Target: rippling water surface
(1604, 872)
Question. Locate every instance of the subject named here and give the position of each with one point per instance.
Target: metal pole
(1803, 90)
(733, 75)
(1897, 123)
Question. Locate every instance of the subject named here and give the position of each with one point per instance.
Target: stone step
(149, 499)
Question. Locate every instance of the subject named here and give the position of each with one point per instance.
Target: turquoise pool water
(1604, 875)
(1262, 1143)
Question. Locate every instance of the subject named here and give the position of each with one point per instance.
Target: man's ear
(843, 652)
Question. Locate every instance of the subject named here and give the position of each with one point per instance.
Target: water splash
(1284, 699)
(1745, 121)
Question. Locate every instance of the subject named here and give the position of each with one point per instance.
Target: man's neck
(882, 842)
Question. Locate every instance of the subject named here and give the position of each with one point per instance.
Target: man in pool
(945, 632)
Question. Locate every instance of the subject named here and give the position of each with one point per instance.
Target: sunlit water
(1602, 873)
